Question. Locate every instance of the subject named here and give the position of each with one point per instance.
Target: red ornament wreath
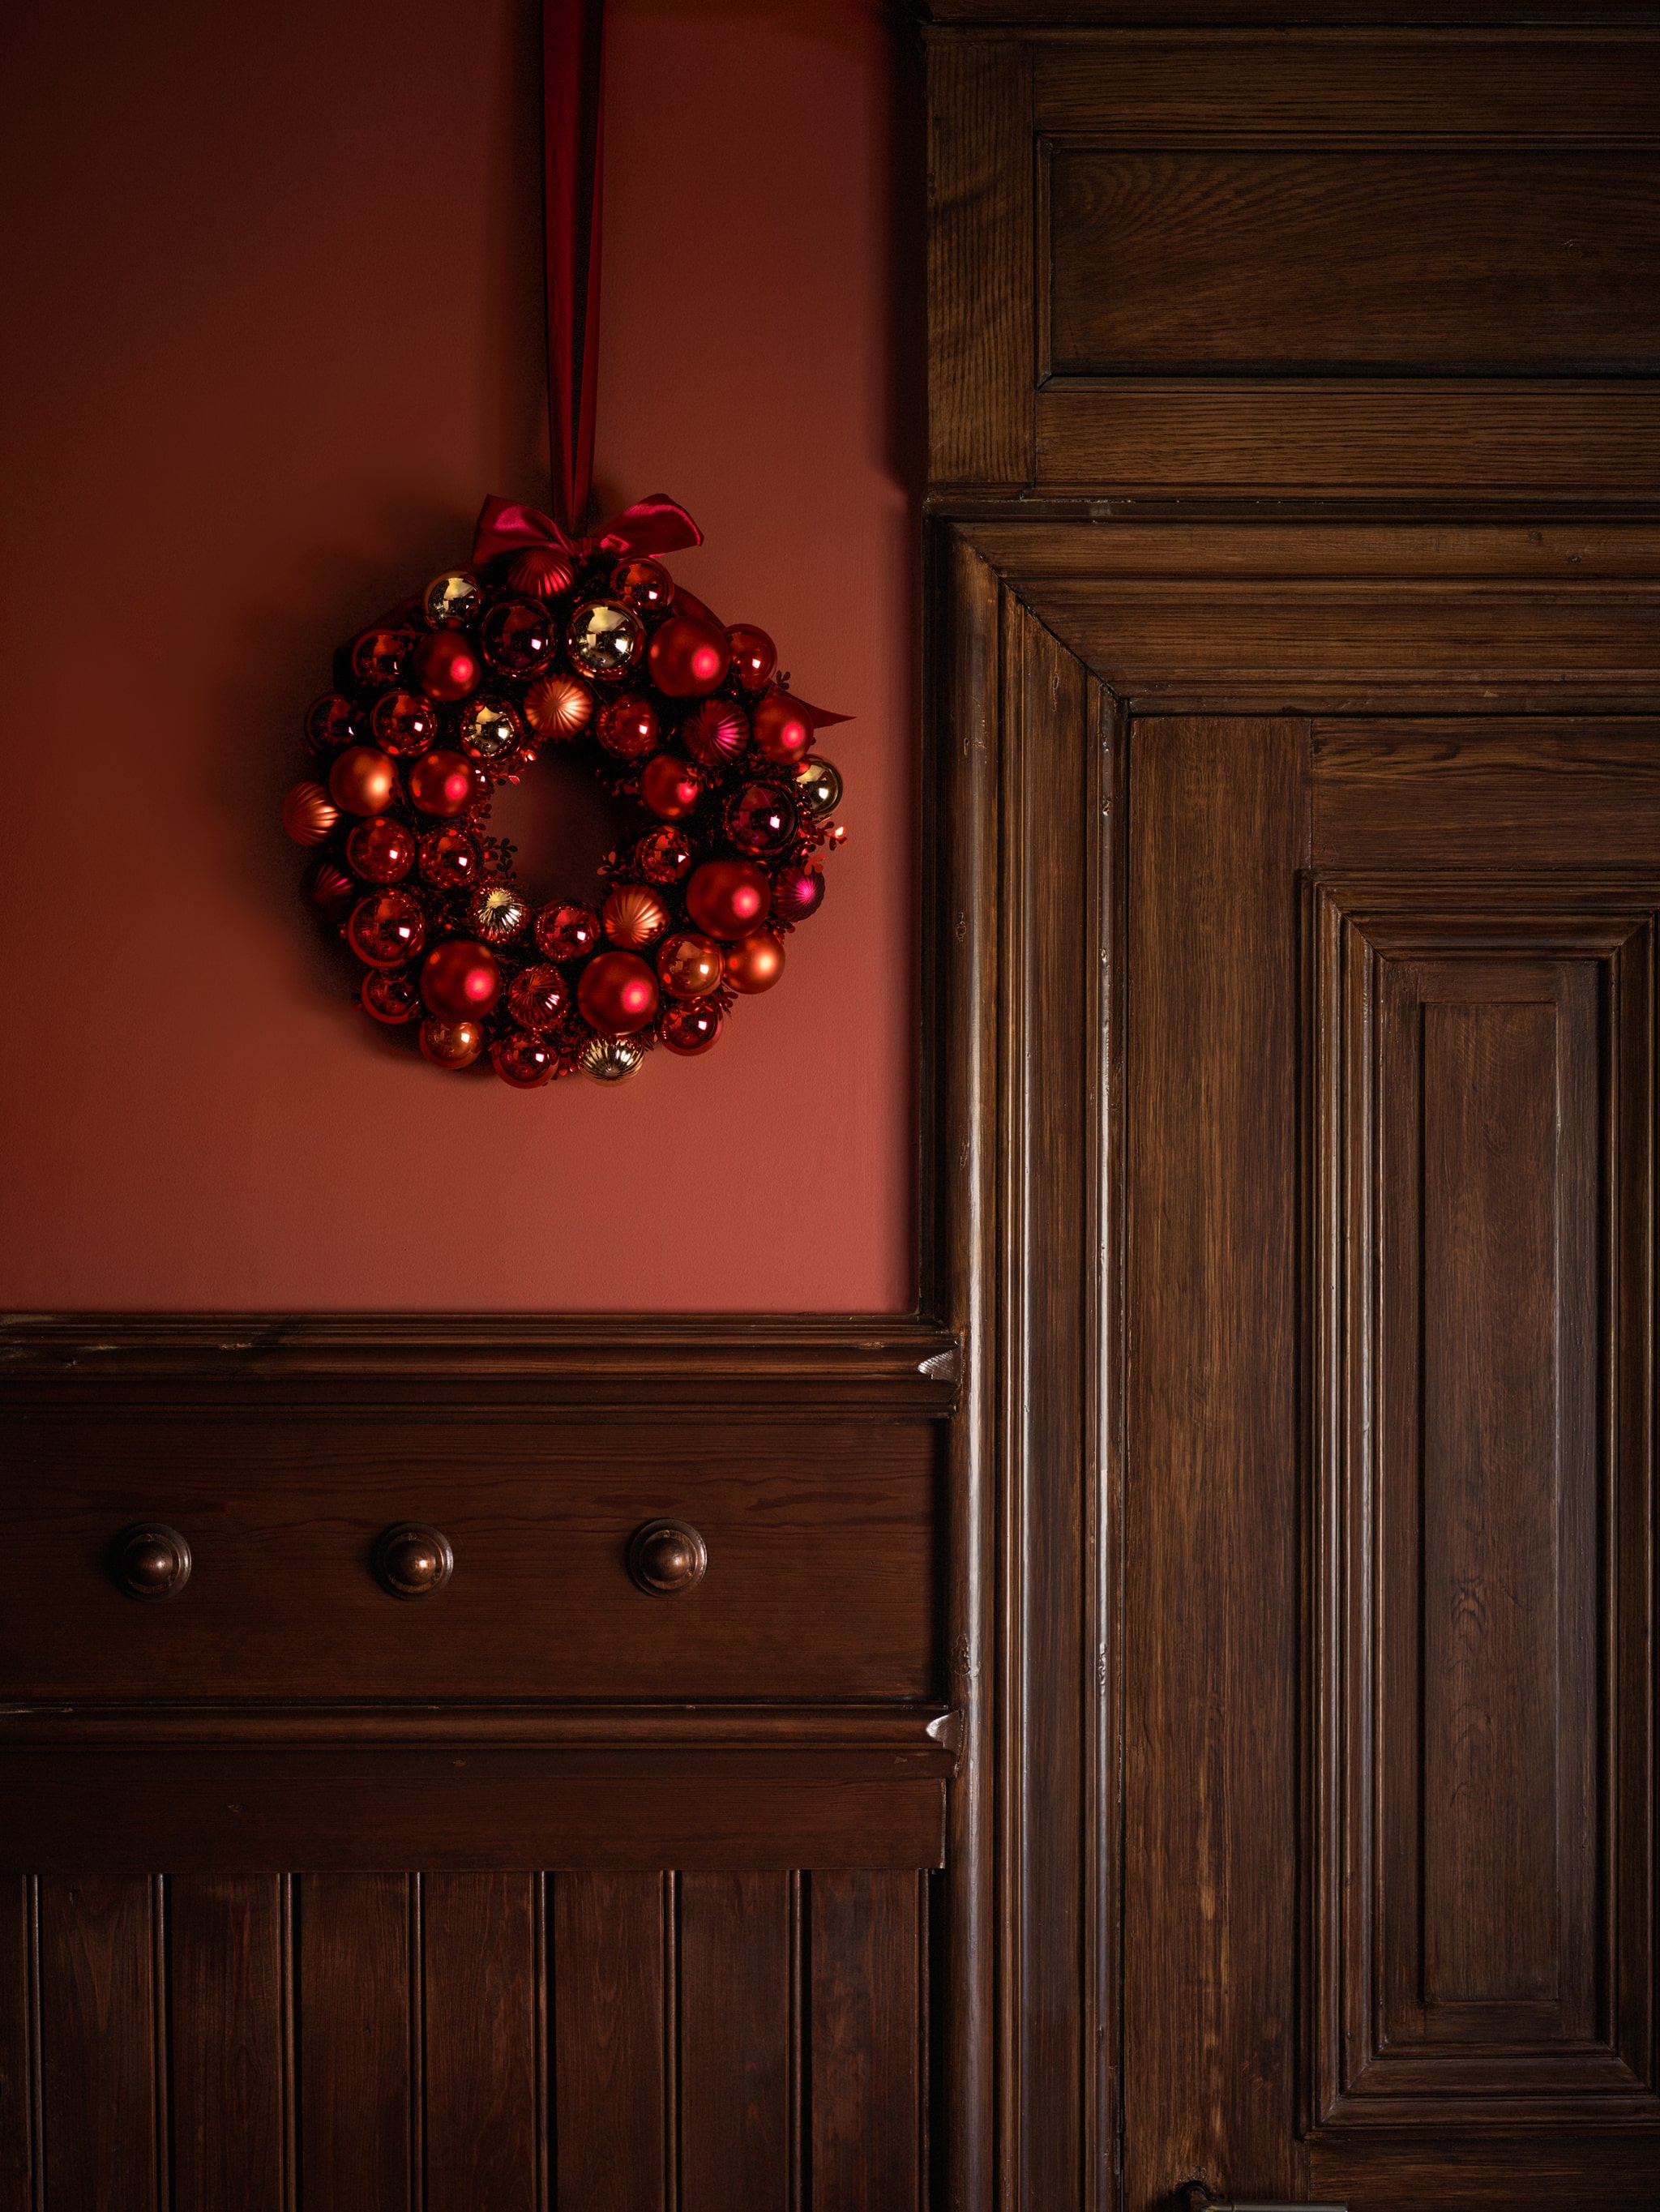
(590, 645)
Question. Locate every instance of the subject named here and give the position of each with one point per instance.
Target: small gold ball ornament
(610, 1060)
(452, 598)
(605, 640)
(497, 913)
(818, 786)
(489, 730)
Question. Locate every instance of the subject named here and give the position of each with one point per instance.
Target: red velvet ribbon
(573, 109)
(654, 526)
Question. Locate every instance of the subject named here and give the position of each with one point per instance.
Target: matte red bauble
(689, 1028)
(404, 722)
(330, 722)
(363, 781)
(460, 980)
(669, 787)
(389, 996)
(605, 640)
(716, 732)
(525, 1062)
(645, 585)
(761, 818)
(540, 574)
(755, 963)
(518, 637)
(633, 916)
(558, 707)
(377, 656)
(689, 965)
(754, 656)
(568, 933)
(689, 657)
(797, 894)
(309, 814)
(381, 851)
(537, 998)
(663, 856)
(330, 889)
(452, 1044)
(445, 664)
(445, 783)
(627, 727)
(489, 730)
(452, 598)
(496, 913)
(385, 929)
(449, 859)
(783, 732)
(617, 993)
(726, 898)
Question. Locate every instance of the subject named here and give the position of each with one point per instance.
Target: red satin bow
(653, 525)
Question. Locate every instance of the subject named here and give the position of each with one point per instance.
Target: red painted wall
(273, 290)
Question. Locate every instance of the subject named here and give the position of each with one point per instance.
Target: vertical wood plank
(354, 2038)
(18, 2145)
(226, 1940)
(101, 2147)
(611, 2081)
(734, 1957)
(866, 2043)
(482, 1987)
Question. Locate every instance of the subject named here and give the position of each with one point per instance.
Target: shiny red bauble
(363, 781)
(309, 814)
(386, 929)
(518, 637)
(450, 858)
(663, 856)
(754, 656)
(755, 963)
(330, 722)
(645, 585)
(382, 851)
(445, 783)
(727, 898)
(525, 1062)
(452, 1044)
(783, 730)
(716, 732)
(688, 1028)
(537, 998)
(617, 993)
(627, 727)
(689, 965)
(445, 664)
(797, 894)
(689, 657)
(460, 980)
(539, 573)
(378, 655)
(761, 818)
(670, 787)
(389, 996)
(568, 933)
(404, 722)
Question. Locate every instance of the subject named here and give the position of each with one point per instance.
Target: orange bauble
(688, 657)
(617, 993)
(460, 980)
(633, 916)
(452, 1044)
(755, 963)
(363, 781)
(445, 783)
(727, 898)
(309, 814)
(558, 707)
(689, 965)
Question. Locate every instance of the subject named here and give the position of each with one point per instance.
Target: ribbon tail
(655, 524)
(688, 602)
(820, 717)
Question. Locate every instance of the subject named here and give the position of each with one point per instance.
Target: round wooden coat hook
(151, 1560)
(414, 1560)
(667, 1557)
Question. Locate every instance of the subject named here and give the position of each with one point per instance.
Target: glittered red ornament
(633, 916)
(754, 656)
(670, 786)
(330, 722)
(525, 1062)
(330, 889)
(460, 980)
(445, 783)
(689, 657)
(797, 894)
(645, 585)
(689, 1027)
(362, 781)
(627, 726)
(445, 664)
(378, 655)
(385, 929)
(541, 574)
(452, 1044)
(568, 933)
(404, 722)
(689, 965)
(558, 707)
(755, 963)
(761, 818)
(381, 851)
(389, 995)
(783, 732)
(309, 814)
(716, 732)
(726, 898)
(449, 859)
(617, 993)
(663, 856)
(518, 637)
(537, 998)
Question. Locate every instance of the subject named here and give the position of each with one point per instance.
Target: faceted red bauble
(726, 898)
(540, 574)
(783, 732)
(617, 993)
(689, 1027)
(385, 929)
(568, 933)
(670, 786)
(754, 656)
(761, 818)
(452, 1044)
(389, 996)
(460, 980)
(381, 851)
(309, 814)
(445, 664)
(797, 894)
(377, 656)
(716, 732)
(537, 998)
(330, 722)
(689, 657)
(755, 963)
(404, 722)
(663, 856)
(645, 585)
(518, 637)
(449, 859)
(525, 1062)
(634, 917)
(363, 781)
(445, 783)
(627, 727)
(689, 965)
(558, 707)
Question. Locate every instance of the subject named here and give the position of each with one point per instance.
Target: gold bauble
(818, 786)
(498, 913)
(610, 1060)
(452, 598)
(605, 640)
(489, 730)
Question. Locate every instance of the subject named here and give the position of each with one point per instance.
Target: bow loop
(651, 526)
